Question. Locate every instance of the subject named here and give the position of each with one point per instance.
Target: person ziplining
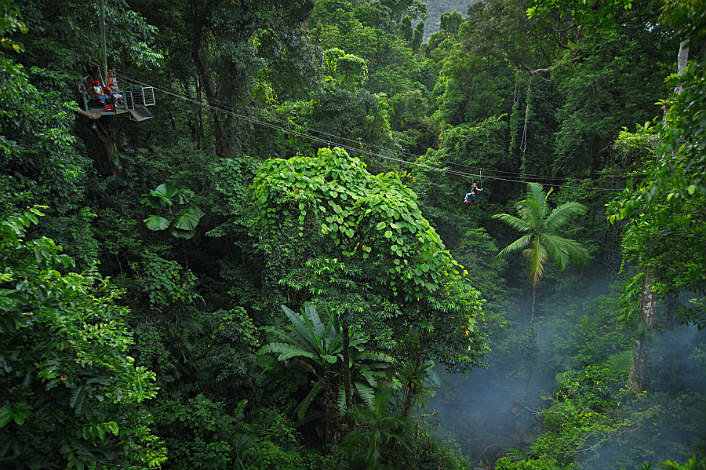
(472, 194)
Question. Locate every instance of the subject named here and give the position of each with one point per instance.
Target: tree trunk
(534, 292)
(199, 115)
(347, 364)
(412, 387)
(648, 297)
(682, 61)
(110, 147)
(204, 81)
(648, 307)
(332, 433)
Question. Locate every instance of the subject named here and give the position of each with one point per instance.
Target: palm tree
(318, 345)
(376, 432)
(541, 240)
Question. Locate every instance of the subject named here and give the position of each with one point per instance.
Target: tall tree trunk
(347, 364)
(110, 146)
(199, 115)
(332, 433)
(534, 292)
(198, 25)
(648, 297)
(648, 307)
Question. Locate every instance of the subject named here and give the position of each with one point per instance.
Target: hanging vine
(523, 142)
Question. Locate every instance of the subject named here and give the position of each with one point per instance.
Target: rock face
(437, 7)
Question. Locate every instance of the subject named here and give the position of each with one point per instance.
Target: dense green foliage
(312, 156)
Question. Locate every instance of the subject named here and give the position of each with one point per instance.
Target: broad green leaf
(189, 219)
(156, 222)
(78, 396)
(167, 190)
(329, 358)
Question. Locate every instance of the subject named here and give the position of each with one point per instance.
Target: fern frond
(366, 393)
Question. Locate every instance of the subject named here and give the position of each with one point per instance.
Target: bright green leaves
(347, 69)
(165, 282)
(165, 194)
(100, 431)
(170, 200)
(583, 13)
(353, 209)
(372, 229)
(67, 381)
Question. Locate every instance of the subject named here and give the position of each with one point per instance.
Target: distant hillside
(437, 7)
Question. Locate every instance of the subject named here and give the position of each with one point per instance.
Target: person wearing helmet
(98, 92)
(468, 197)
(112, 86)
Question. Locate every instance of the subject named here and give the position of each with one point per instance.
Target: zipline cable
(374, 146)
(363, 151)
(380, 148)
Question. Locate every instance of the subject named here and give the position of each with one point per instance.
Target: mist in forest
(675, 370)
(487, 412)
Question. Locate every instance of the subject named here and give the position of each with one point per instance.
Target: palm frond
(514, 222)
(366, 393)
(333, 341)
(536, 194)
(563, 213)
(284, 335)
(620, 362)
(530, 210)
(331, 358)
(374, 356)
(519, 244)
(369, 376)
(573, 249)
(333, 334)
(537, 256)
(577, 252)
(556, 250)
